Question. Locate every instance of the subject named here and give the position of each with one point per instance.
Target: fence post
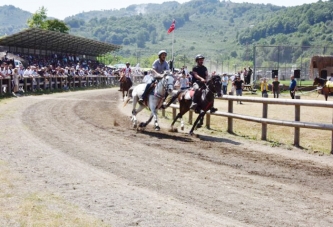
(174, 111)
(190, 117)
(208, 120)
(230, 119)
(9, 86)
(1, 92)
(50, 82)
(332, 138)
(25, 85)
(38, 83)
(264, 125)
(297, 118)
(44, 84)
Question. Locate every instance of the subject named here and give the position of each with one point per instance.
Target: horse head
(166, 84)
(215, 84)
(319, 81)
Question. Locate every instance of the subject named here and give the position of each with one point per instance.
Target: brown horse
(213, 86)
(327, 87)
(125, 84)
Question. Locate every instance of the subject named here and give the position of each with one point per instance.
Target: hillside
(222, 31)
(12, 19)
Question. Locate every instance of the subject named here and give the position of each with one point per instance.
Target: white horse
(155, 101)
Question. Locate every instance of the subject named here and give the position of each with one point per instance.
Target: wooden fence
(296, 124)
(61, 82)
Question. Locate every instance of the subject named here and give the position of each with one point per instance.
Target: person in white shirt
(148, 77)
(225, 81)
(183, 81)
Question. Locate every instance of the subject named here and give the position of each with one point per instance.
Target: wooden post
(174, 111)
(38, 83)
(50, 83)
(25, 85)
(208, 120)
(1, 92)
(297, 118)
(9, 86)
(80, 82)
(332, 137)
(230, 121)
(56, 83)
(190, 117)
(44, 84)
(163, 112)
(264, 125)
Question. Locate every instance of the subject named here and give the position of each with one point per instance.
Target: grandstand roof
(39, 39)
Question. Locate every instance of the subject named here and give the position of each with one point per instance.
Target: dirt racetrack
(79, 146)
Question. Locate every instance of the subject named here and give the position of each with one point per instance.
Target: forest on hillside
(224, 31)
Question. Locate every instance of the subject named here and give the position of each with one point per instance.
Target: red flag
(172, 27)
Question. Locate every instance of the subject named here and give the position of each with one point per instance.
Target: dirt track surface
(79, 145)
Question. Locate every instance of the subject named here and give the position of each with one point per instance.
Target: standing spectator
(238, 83)
(183, 81)
(248, 77)
(245, 75)
(264, 87)
(276, 87)
(225, 81)
(292, 87)
(16, 79)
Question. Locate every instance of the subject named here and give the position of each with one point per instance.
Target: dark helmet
(161, 52)
(127, 63)
(199, 56)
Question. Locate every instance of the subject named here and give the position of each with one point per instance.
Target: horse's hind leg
(201, 115)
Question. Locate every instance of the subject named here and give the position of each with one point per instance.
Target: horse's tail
(126, 101)
(129, 96)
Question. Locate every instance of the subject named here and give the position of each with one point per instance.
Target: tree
(56, 25)
(38, 20)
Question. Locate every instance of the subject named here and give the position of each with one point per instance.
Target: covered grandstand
(44, 42)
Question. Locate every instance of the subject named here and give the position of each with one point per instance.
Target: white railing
(296, 124)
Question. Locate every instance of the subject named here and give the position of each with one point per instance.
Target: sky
(61, 9)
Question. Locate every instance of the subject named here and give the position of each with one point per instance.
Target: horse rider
(200, 76)
(158, 67)
(127, 73)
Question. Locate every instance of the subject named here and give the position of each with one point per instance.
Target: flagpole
(172, 44)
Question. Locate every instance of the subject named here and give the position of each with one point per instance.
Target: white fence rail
(296, 124)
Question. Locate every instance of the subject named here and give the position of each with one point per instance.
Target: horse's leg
(200, 124)
(179, 115)
(144, 124)
(196, 122)
(136, 111)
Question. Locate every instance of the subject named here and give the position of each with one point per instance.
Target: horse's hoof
(199, 125)
(182, 128)
(157, 128)
(142, 125)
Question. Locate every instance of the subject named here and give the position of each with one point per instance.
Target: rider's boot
(213, 110)
(195, 100)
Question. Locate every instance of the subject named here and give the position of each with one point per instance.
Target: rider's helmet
(127, 63)
(199, 56)
(161, 52)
